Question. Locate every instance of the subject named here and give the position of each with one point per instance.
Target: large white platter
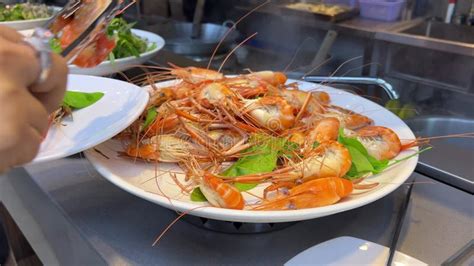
(140, 178)
(121, 104)
(108, 67)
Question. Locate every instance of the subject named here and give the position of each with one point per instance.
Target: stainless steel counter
(120, 227)
(393, 32)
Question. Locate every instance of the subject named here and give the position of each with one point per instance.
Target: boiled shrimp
(195, 75)
(271, 112)
(310, 101)
(326, 129)
(310, 194)
(330, 159)
(221, 194)
(349, 119)
(163, 148)
(380, 142)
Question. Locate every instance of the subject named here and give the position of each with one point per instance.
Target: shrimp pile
(228, 132)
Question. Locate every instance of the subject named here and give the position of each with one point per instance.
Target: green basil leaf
(197, 195)
(150, 117)
(263, 158)
(79, 100)
(353, 174)
(127, 44)
(263, 161)
(245, 186)
(353, 142)
(55, 45)
(360, 161)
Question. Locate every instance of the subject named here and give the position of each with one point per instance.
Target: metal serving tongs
(42, 36)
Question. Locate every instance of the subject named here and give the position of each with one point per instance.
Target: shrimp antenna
(233, 28)
(173, 222)
(337, 69)
(296, 53)
(235, 48)
(316, 67)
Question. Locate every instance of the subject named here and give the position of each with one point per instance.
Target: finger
(23, 146)
(28, 149)
(51, 92)
(21, 109)
(10, 35)
(22, 66)
(37, 115)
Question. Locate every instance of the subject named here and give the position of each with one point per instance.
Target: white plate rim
(134, 114)
(265, 216)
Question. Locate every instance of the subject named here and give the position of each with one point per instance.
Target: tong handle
(387, 87)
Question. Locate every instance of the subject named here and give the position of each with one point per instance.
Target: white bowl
(108, 67)
(28, 24)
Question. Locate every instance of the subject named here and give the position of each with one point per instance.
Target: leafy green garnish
(362, 162)
(197, 195)
(262, 158)
(79, 100)
(55, 45)
(23, 11)
(128, 44)
(150, 117)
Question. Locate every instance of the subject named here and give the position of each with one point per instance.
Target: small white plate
(137, 177)
(350, 251)
(120, 106)
(107, 67)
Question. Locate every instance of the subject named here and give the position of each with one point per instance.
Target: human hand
(25, 105)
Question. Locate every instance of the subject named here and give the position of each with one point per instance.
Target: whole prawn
(310, 194)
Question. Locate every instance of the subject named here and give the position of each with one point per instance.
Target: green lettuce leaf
(197, 195)
(362, 161)
(150, 117)
(79, 100)
(263, 158)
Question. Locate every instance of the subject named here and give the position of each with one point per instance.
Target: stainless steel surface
(198, 13)
(443, 31)
(178, 37)
(401, 217)
(432, 35)
(439, 222)
(461, 255)
(451, 159)
(51, 234)
(121, 227)
(391, 92)
(324, 50)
